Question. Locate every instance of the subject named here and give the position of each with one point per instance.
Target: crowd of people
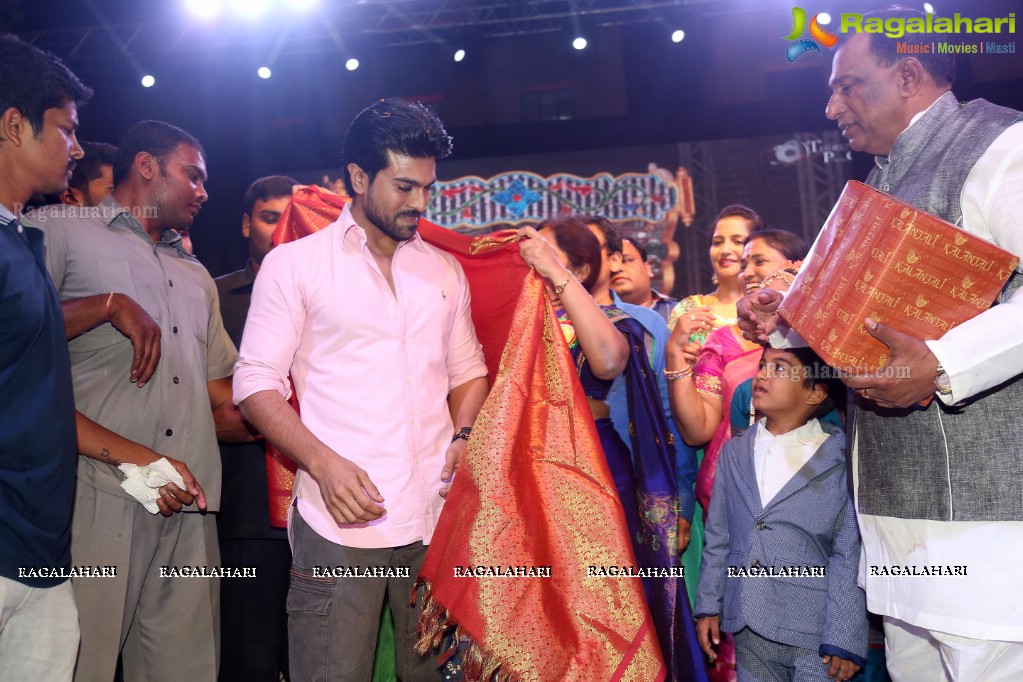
(140, 395)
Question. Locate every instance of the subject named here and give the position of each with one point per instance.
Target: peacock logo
(818, 36)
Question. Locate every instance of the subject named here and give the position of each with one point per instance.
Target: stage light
(263, 72)
(824, 18)
(928, 8)
(678, 36)
(204, 9)
(579, 43)
(459, 55)
(148, 81)
(250, 9)
(352, 64)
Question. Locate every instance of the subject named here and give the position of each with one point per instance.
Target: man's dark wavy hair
(33, 81)
(406, 128)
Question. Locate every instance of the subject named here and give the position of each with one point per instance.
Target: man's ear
(246, 225)
(146, 165)
(911, 75)
(360, 179)
(73, 197)
(649, 269)
(14, 127)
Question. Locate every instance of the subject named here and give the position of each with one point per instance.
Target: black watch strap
(463, 433)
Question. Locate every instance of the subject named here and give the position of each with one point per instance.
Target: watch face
(943, 383)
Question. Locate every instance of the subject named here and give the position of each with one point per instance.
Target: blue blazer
(810, 522)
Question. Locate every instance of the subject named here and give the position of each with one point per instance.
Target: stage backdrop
(665, 197)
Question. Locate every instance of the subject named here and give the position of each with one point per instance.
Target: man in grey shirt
(164, 626)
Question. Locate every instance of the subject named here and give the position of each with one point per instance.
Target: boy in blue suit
(782, 547)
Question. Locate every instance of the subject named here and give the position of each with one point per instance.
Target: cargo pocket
(309, 606)
(310, 594)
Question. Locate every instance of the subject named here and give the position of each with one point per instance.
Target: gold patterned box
(880, 257)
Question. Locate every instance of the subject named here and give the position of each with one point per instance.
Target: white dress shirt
(776, 459)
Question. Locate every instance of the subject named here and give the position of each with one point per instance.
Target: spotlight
(579, 43)
(824, 18)
(459, 55)
(148, 81)
(352, 64)
(928, 8)
(678, 36)
(204, 9)
(250, 9)
(263, 72)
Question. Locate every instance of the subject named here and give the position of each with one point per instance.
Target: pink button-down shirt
(372, 368)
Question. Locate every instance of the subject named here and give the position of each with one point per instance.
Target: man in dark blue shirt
(38, 149)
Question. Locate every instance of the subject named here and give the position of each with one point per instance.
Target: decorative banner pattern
(471, 203)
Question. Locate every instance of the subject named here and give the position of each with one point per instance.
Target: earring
(714, 279)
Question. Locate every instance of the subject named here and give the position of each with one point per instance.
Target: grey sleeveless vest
(943, 463)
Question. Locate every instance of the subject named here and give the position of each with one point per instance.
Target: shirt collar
(809, 433)
(111, 211)
(6, 216)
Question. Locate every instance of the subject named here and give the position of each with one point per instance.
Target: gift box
(880, 257)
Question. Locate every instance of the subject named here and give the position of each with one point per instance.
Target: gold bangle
(673, 374)
(559, 289)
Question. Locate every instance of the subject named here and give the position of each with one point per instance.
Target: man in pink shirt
(373, 326)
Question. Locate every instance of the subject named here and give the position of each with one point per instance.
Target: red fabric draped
(533, 490)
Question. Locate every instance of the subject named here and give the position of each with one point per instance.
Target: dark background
(521, 91)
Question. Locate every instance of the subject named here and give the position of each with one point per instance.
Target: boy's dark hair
(406, 128)
(639, 249)
(791, 245)
(88, 168)
(752, 218)
(158, 138)
(816, 372)
(884, 50)
(612, 237)
(33, 81)
(579, 244)
(270, 187)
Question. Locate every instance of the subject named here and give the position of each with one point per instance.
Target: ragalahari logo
(818, 36)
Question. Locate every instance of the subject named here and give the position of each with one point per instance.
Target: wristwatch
(942, 381)
(463, 433)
